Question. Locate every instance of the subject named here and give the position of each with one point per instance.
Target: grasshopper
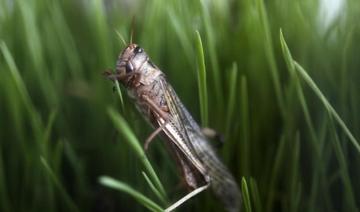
(155, 98)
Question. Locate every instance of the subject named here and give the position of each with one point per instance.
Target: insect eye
(138, 49)
(128, 68)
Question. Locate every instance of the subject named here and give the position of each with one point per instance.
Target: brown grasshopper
(157, 101)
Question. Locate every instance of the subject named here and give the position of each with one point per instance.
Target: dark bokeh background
(295, 153)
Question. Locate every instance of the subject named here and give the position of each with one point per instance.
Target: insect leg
(161, 112)
(153, 134)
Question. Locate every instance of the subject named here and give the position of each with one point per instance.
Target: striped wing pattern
(196, 147)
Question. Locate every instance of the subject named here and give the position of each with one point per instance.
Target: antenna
(121, 37)
(132, 29)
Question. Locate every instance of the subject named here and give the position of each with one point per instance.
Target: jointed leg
(161, 112)
(153, 135)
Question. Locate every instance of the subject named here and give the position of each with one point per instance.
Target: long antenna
(121, 37)
(132, 29)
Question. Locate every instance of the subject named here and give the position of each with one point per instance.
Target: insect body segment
(157, 101)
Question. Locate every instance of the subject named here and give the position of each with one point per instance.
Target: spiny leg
(153, 135)
(161, 112)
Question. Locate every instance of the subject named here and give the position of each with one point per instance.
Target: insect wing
(177, 130)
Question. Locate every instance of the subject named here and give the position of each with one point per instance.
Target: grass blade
(245, 128)
(71, 205)
(232, 100)
(294, 174)
(4, 200)
(209, 32)
(120, 95)
(114, 184)
(316, 141)
(293, 65)
(125, 130)
(246, 195)
(327, 105)
(344, 171)
(269, 51)
(275, 171)
(202, 81)
(181, 33)
(255, 194)
(14, 72)
(153, 188)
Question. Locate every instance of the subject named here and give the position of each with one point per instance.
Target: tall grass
(286, 102)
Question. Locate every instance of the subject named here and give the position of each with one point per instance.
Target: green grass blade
(327, 105)
(14, 72)
(316, 142)
(202, 81)
(115, 184)
(77, 165)
(65, 38)
(232, 100)
(47, 132)
(344, 171)
(274, 172)
(209, 33)
(118, 89)
(245, 127)
(246, 195)
(35, 50)
(71, 205)
(294, 173)
(297, 197)
(101, 30)
(292, 66)
(319, 177)
(120, 95)
(332, 113)
(4, 200)
(153, 188)
(181, 33)
(130, 137)
(286, 53)
(255, 194)
(269, 51)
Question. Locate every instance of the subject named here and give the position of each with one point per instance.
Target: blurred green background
(291, 138)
